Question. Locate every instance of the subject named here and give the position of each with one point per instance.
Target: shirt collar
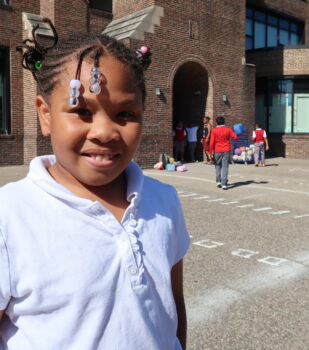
(40, 176)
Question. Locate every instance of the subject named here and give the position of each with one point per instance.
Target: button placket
(135, 269)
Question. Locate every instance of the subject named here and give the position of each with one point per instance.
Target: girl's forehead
(118, 81)
(112, 70)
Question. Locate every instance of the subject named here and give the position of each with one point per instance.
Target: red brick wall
(98, 20)
(278, 62)
(216, 45)
(219, 47)
(123, 8)
(11, 34)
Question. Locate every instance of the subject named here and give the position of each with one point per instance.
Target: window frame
(5, 126)
(251, 14)
(5, 2)
(267, 92)
(107, 10)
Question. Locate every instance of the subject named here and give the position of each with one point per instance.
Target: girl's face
(95, 141)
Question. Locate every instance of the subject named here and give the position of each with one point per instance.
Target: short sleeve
(181, 234)
(5, 290)
(253, 134)
(264, 134)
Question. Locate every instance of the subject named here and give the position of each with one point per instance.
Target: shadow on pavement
(245, 183)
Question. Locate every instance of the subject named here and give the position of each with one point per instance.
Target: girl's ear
(44, 114)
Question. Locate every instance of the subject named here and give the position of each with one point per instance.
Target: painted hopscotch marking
(272, 260)
(280, 212)
(262, 209)
(242, 252)
(208, 243)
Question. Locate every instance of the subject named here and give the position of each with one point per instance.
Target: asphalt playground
(246, 275)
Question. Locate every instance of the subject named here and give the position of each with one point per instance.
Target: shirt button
(133, 222)
(133, 270)
(135, 247)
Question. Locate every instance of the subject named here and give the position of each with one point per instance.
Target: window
(104, 5)
(268, 29)
(4, 2)
(282, 105)
(4, 91)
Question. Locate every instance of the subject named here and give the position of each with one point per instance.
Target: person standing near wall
(259, 138)
(180, 135)
(220, 145)
(192, 140)
(207, 127)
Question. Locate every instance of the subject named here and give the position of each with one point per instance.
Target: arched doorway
(190, 91)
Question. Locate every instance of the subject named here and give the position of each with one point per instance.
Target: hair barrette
(74, 92)
(95, 80)
(141, 51)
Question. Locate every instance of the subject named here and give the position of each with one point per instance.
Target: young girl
(259, 138)
(90, 249)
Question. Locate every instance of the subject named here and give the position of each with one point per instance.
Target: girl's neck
(113, 195)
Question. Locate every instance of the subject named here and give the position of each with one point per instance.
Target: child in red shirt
(221, 146)
(259, 138)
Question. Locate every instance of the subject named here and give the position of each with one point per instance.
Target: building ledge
(135, 25)
(30, 20)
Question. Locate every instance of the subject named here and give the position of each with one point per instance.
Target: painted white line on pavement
(216, 200)
(260, 187)
(228, 203)
(180, 192)
(203, 197)
(209, 304)
(245, 206)
(262, 209)
(300, 216)
(280, 212)
(299, 169)
(188, 195)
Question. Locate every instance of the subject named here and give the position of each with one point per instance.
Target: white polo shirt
(192, 134)
(73, 278)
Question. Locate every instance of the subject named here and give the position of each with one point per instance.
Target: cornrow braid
(77, 46)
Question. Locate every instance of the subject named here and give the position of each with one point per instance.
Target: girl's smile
(95, 141)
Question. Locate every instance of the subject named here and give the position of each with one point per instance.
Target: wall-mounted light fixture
(159, 92)
(225, 98)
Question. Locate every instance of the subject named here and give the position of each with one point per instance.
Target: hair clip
(95, 80)
(38, 65)
(141, 51)
(74, 92)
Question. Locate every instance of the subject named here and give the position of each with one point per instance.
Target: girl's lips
(101, 159)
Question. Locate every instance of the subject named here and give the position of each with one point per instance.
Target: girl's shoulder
(14, 194)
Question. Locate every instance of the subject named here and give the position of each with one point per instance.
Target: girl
(259, 138)
(207, 127)
(90, 249)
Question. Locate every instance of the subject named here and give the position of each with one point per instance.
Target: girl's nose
(103, 129)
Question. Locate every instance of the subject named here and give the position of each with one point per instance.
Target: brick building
(245, 60)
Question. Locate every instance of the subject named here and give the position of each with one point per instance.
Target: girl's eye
(83, 112)
(126, 115)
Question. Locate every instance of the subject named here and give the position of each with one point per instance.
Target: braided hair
(46, 63)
